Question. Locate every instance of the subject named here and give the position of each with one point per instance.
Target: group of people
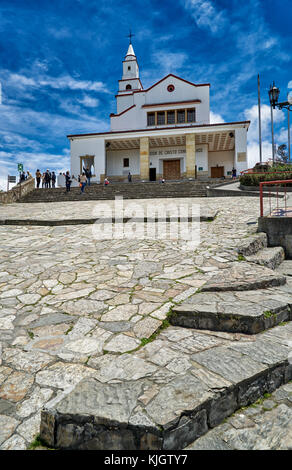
(83, 180)
(24, 176)
(48, 179)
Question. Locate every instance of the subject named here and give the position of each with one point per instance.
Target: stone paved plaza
(72, 307)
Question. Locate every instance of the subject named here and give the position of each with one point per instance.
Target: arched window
(128, 87)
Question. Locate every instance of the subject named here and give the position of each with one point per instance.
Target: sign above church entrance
(163, 152)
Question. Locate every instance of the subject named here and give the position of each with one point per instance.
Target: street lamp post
(274, 93)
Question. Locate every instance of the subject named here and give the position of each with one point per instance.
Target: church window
(151, 119)
(128, 87)
(181, 115)
(170, 88)
(170, 117)
(129, 68)
(191, 115)
(126, 162)
(161, 118)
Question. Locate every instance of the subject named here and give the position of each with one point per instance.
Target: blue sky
(60, 62)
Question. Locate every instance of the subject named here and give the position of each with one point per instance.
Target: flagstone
(16, 386)
(29, 361)
(7, 426)
(122, 343)
(120, 313)
(35, 402)
(29, 299)
(146, 327)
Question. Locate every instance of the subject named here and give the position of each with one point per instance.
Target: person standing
(83, 181)
(38, 176)
(234, 173)
(88, 174)
(68, 181)
(47, 179)
(129, 177)
(53, 179)
(43, 180)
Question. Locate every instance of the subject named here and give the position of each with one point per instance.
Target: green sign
(20, 166)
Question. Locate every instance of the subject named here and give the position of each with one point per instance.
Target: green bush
(254, 180)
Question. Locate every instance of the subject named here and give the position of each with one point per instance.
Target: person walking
(53, 179)
(68, 181)
(83, 181)
(38, 176)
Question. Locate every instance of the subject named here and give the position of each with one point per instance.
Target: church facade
(162, 131)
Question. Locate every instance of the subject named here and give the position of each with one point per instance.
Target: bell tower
(130, 80)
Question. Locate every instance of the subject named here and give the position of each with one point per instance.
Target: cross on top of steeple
(130, 36)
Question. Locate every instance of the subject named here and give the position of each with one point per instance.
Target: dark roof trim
(159, 129)
(170, 103)
(125, 110)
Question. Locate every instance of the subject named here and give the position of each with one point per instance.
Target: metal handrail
(261, 192)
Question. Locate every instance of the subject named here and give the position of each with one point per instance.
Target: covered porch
(172, 157)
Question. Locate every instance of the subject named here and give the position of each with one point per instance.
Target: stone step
(285, 268)
(248, 312)
(128, 191)
(269, 257)
(253, 244)
(167, 396)
(264, 425)
(242, 276)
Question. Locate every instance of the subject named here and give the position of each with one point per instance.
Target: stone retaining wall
(279, 232)
(17, 192)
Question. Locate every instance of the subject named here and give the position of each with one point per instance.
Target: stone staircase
(135, 190)
(214, 375)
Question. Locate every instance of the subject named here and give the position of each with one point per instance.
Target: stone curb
(91, 221)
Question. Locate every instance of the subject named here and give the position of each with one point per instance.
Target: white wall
(123, 102)
(136, 118)
(240, 146)
(202, 157)
(88, 146)
(115, 162)
(223, 158)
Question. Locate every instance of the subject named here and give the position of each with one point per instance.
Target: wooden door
(217, 171)
(171, 169)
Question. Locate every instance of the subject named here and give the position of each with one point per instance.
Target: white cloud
(253, 133)
(206, 16)
(215, 118)
(252, 115)
(168, 61)
(58, 83)
(89, 102)
(253, 152)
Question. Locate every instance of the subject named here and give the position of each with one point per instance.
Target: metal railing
(279, 209)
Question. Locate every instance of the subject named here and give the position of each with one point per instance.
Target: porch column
(190, 156)
(144, 158)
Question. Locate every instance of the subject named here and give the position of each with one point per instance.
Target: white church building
(162, 131)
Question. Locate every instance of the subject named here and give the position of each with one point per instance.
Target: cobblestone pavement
(88, 209)
(67, 299)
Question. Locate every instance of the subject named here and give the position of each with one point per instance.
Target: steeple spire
(130, 48)
(130, 79)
